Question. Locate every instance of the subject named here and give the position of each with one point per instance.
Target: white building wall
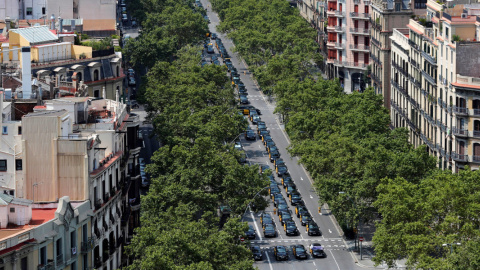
(10, 8)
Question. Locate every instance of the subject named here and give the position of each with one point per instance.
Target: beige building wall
(97, 14)
(40, 135)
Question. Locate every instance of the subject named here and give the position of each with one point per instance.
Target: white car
(131, 81)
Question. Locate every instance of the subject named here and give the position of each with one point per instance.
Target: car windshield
(286, 216)
(256, 249)
(281, 250)
(291, 226)
(282, 206)
(300, 249)
(312, 226)
(269, 227)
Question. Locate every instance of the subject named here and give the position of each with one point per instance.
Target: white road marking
(314, 263)
(330, 231)
(256, 227)
(268, 259)
(334, 259)
(311, 197)
(301, 178)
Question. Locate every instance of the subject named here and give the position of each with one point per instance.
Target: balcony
(460, 110)
(105, 225)
(429, 78)
(414, 81)
(356, 65)
(48, 266)
(459, 132)
(429, 58)
(360, 31)
(400, 68)
(361, 16)
(98, 204)
(126, 216)
(339, 29)
(339, 63)
(106, 196)
(414, 63)
(413, 45)
(339, 13)
(476, 159)
(339, 46)
(375, 79)
(126, 186)
(398, 87)
(359, 47)
(59, 260)
(376, 60)
(331, 43)
(459, 157)
(98, 262)
(441, 103)
(476, 133)
(376, 42)
(89, 245)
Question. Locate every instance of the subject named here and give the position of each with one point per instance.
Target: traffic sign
(360, 239)
(242, 239)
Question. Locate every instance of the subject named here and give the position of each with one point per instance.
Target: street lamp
(356, 210)
(451, 246)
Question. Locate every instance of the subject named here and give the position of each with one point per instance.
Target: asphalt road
(338, 257)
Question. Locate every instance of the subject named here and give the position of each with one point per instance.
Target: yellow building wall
(34, 257)
(78, 50)
(465, 31)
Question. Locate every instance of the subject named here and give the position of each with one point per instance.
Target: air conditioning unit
(464, 15)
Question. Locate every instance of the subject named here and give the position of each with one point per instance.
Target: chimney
(60, 21)
(7, 22)
(117, 96)
(52, 23)
(26, 72)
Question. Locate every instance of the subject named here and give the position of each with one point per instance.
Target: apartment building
(45, 238)
(386, 15)
(62, 67)
(348, 42)
(434, 93)
(98, 17)
(314, 12)
(343, 36)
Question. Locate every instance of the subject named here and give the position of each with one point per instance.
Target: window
(73, 242)
(43, 255)
(24, 263)
(12, 210)
(18, 164)
(5, 130)
(96, 93)
(366, 9)
(397, 6)
(43, 10)
(3, 165)
(29, 11)
(20, 130)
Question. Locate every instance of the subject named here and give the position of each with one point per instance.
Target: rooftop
(36, 34)
(39, 217)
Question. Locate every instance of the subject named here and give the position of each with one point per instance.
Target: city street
(338, 255)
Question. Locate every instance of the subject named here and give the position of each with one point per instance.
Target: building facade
(434, 93)
(386, 15)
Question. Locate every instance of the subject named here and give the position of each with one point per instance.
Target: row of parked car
(280, 203)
